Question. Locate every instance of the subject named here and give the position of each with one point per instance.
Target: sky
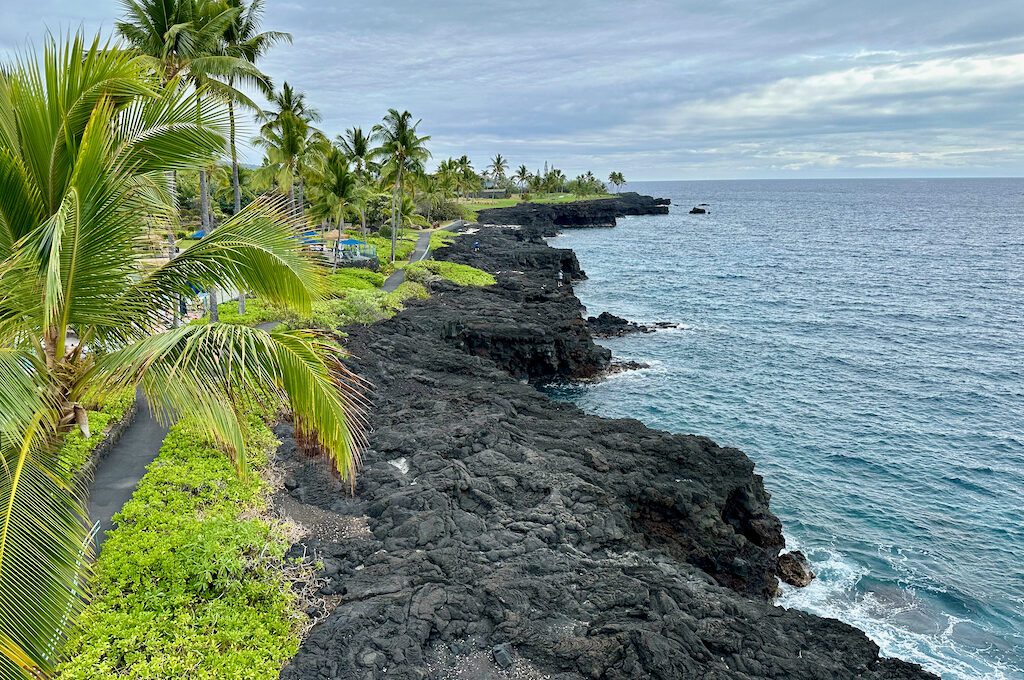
(656, 89)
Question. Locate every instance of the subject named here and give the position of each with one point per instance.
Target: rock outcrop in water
(549, 218)
(495, 533)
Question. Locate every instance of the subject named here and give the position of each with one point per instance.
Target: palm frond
(204, 370)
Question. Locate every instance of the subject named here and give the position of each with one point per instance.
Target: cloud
(656, 88)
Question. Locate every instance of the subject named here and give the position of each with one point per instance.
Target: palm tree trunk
(204, 200)
(362, 222)
(236, 186)
(394, 214)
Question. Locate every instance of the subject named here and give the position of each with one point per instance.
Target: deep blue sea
(863, 342)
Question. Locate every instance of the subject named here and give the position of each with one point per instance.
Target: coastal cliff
(495, 533)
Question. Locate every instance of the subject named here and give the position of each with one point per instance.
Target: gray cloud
(657, 88)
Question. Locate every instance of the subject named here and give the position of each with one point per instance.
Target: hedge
(77, 449)
(190, 584)
(461, 274)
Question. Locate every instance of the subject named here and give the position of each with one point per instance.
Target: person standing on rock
(561, 278)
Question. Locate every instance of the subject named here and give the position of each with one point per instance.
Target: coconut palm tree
(522, 176)
(359, 149)
(184, 40)
(498, 167)
(334, 187)
(288, 137)
(617, 179)
(86, 139)
(244, 40)
(403, 152)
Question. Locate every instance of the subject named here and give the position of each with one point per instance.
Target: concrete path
(119, 472)
(420, 252)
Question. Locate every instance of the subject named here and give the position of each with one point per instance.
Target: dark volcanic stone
(549, 218)
(499, 520)
(794, 569)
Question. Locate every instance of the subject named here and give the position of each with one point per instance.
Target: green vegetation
(92, 137)
(472, 207)
(345, 280)
(441, 239)
(191, 584)
(359, 306)
(76, 449)
(461, 274)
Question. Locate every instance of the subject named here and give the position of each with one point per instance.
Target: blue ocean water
(863, 342)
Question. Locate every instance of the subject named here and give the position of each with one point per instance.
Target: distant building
(490, 193)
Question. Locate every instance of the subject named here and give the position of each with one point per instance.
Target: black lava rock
(488, 518)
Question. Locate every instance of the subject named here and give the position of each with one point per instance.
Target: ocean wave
(894, 616)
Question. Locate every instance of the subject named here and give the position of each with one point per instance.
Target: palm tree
(86, 139)
(334, 187)
(243, 39)
(288, 136)
(184, 40)
(359, 149)
(468, 180)
(403, 152)
(498, 167)
(617, 179)
(522, 176)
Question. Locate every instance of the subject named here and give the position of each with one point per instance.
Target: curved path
(119, 471)
(420, 252)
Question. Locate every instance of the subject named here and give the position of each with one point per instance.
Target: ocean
(863, 342)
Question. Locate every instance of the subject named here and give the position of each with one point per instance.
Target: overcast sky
(656, 89)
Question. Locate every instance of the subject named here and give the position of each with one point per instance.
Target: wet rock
(795, 569)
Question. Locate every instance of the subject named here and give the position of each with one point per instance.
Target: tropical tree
(522, 176)
(359, 148)
(87, 137)
(334, 187)
(468, 179)
(184, 40)
(288, 137)
(498, 167)
(403, 152)
(244, 40)
(617, 179)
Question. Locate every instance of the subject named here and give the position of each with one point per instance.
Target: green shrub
(441, 239)
(358, 307)
(257, 311)
(76, 449)
(345, 280)
(461, 274)
(189, 585)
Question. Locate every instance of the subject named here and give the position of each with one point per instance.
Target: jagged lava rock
(794, 569)
(503, 528)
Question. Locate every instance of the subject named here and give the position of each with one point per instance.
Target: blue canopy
(352, 242)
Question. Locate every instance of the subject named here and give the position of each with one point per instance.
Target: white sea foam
(836, 593)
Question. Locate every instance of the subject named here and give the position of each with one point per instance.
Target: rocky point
(495, 533)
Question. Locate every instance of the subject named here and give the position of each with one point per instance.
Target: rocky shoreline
(495, 533)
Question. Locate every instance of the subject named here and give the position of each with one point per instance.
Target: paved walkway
(420, 252)
(119, 472)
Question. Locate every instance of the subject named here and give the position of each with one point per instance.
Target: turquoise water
(863, 342)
